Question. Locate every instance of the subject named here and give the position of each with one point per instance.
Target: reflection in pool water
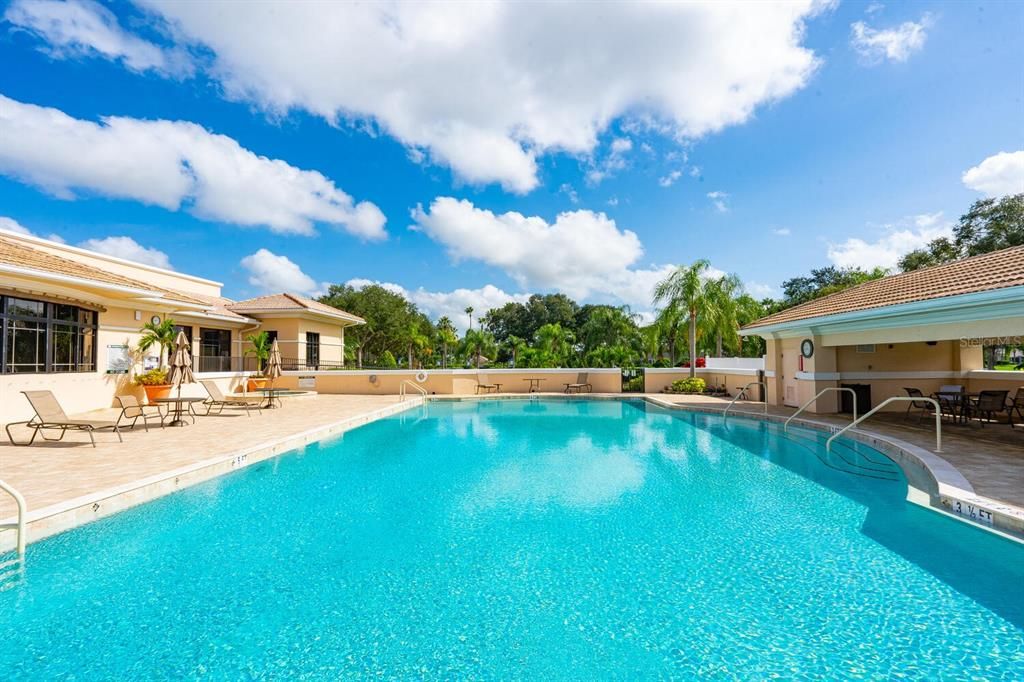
(529, 539)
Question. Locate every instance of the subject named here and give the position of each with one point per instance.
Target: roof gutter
(943, 304)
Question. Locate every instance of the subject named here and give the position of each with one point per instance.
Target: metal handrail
(743, 392)
(19, 525)
(895, 399)
(821, 393)
(401, 389)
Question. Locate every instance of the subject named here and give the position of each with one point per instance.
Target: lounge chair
(925, 408)
(581, 383)
(484, 385)
(132, 409)
(1016, 405)
(50, 415)
(220, 401)
(987, 405)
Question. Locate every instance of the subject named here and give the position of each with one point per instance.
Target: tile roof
(987, 272)
(21, 255)
(290, 302)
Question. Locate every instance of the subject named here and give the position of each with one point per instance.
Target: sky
(475, 153)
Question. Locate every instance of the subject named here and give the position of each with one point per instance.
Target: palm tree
(161, 334)
(722, 310)
(515, 346)
(447, 335)
(260, 348)
(748, 309)
(686, 288)
(478, 344)
(469, 311)
(555, 343)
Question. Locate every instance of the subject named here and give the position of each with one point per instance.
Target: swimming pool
(531, 539)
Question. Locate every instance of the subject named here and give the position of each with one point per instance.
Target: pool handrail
(19, 525)
(785, 427)
(401, 389)
(743, 392)
(895, 399)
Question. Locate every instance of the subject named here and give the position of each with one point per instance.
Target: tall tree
(388, 319)
(686, 288)
(446, 336)
(989, 225)
(477, 345)
(469, 311)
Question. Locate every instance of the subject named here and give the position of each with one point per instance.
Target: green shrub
(154, 377)
(694, 385)
(387, 360)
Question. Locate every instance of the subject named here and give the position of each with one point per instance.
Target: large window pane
(26, 346)
(64, 340)
(25, 308)
(214, 350)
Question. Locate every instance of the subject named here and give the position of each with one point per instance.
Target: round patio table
(182, 405)
(271, 395)
(534, 384)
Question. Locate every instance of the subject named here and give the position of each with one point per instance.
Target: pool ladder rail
(785, 427)
(743, 392)
(405, 382)
(13, 568)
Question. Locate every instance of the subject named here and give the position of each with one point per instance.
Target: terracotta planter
(159, 391)
(255, 383)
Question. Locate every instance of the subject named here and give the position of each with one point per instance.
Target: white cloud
(613, 201)
(621, 145)
(129, 249)
(998, 175)
(670, 179)
(519, 80)
(613, 162)
(897, 240)
(892, 44)
(569, 191)
(695, 171)
(275, 274)
(782, 231)
(759, 290)
(718, 201)
(84, 28)
(12, 225)
(451, 303)
(175, 165)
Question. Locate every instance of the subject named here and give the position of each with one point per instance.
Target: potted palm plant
(260, 345)
(154, 382)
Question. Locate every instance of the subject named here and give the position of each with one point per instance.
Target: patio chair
(218, 400)
(132, 409)
(987, 405)
(484, 385)
(581, 383)
(1016, 405)
(50, 415)
(925, 408)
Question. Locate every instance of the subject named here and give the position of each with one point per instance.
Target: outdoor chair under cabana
(50, 415)
(484, 385)
(987, 405)
(220, 401)
(582, 382)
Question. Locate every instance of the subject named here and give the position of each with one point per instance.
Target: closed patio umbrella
(273, 368)
(181, 371)
(272, 371)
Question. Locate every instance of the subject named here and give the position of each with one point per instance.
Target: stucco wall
(450, 382)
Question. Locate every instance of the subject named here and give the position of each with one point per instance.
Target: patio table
(534, 384)
(182, 405)
(271, 395)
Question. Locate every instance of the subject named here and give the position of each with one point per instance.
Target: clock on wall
(807, 348)
(155, 319)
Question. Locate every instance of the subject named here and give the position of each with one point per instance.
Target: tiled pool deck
(69, 483)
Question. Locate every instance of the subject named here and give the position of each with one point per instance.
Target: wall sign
(119, 359)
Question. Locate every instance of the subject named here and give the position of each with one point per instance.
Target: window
(214, 350)
(312, 350)
(38, 337)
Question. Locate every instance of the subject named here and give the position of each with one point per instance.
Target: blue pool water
(529, 540)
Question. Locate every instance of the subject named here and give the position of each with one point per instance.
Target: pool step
(12, 572)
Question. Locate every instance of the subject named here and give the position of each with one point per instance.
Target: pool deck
(69, 483)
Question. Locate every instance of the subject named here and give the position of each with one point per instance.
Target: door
(312, 350)
(790, 366)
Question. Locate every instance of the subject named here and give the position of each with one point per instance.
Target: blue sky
(333, 143)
